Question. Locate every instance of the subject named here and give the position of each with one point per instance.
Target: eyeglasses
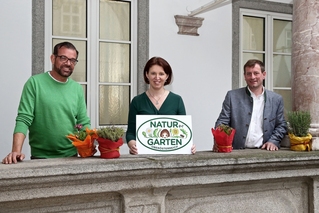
(65, 59)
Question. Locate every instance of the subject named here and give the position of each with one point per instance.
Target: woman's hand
(193, 149)
(132, 146)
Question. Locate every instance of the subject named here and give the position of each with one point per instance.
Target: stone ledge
(157, 182)
(74, 165)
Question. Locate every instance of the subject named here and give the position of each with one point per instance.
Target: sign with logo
(164, 134)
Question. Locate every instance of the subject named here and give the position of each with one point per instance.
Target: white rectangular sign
(164, 134)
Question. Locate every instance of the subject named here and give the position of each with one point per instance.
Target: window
(267, 36)
(104, 33)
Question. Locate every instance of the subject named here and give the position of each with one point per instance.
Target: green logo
(164, 134)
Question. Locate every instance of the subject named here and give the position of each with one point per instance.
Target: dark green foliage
(112, 133)
(225, 128)
(299, 123)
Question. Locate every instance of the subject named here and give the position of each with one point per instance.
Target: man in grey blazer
(256, 113)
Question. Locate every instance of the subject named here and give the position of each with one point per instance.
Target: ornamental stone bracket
(188, 25)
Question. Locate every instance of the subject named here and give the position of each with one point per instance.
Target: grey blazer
(237, 110)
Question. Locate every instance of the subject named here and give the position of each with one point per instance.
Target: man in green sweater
(51, 105)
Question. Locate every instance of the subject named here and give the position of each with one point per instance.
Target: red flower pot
(108, 148)
(223, 141)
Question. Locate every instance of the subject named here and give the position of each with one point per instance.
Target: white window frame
(269, 17)
(93, 53)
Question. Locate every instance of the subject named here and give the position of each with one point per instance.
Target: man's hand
(13, 157)
(269, 146)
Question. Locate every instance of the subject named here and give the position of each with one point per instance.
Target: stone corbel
(188, 25)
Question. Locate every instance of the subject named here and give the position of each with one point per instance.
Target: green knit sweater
(50, 110)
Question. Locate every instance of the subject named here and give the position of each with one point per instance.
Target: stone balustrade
(240, 181)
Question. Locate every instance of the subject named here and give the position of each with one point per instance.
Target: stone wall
(241, 181)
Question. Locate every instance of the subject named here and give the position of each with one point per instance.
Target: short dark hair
(64, 44)
(252, 63)
(160, 62)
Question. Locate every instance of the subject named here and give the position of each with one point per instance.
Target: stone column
(305, 62)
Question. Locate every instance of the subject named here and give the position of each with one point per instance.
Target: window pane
(282, 36)
(114, 62)
(69, 18)
(79, 72)
(109, 81)
(85, 92)
(253, 33)
(287, 96)
(282, 71)
(114, 20)
(114, 105)
(247, 56)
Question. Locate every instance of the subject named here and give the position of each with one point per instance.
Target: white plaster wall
(201, 64)
(15, 60)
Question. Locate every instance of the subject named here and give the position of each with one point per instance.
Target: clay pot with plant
(110, 140)
(83, 140)
(298, 130)
(223, 137)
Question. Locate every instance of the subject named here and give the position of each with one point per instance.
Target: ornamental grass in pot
(298, 130)
(110, 140)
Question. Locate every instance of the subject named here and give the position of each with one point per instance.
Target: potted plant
(110, 140)
(223, 137)
(298, 130)
(83, 140)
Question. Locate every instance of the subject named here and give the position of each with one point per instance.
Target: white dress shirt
(254, 137)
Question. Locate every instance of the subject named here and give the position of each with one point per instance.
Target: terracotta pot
(109, 149)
